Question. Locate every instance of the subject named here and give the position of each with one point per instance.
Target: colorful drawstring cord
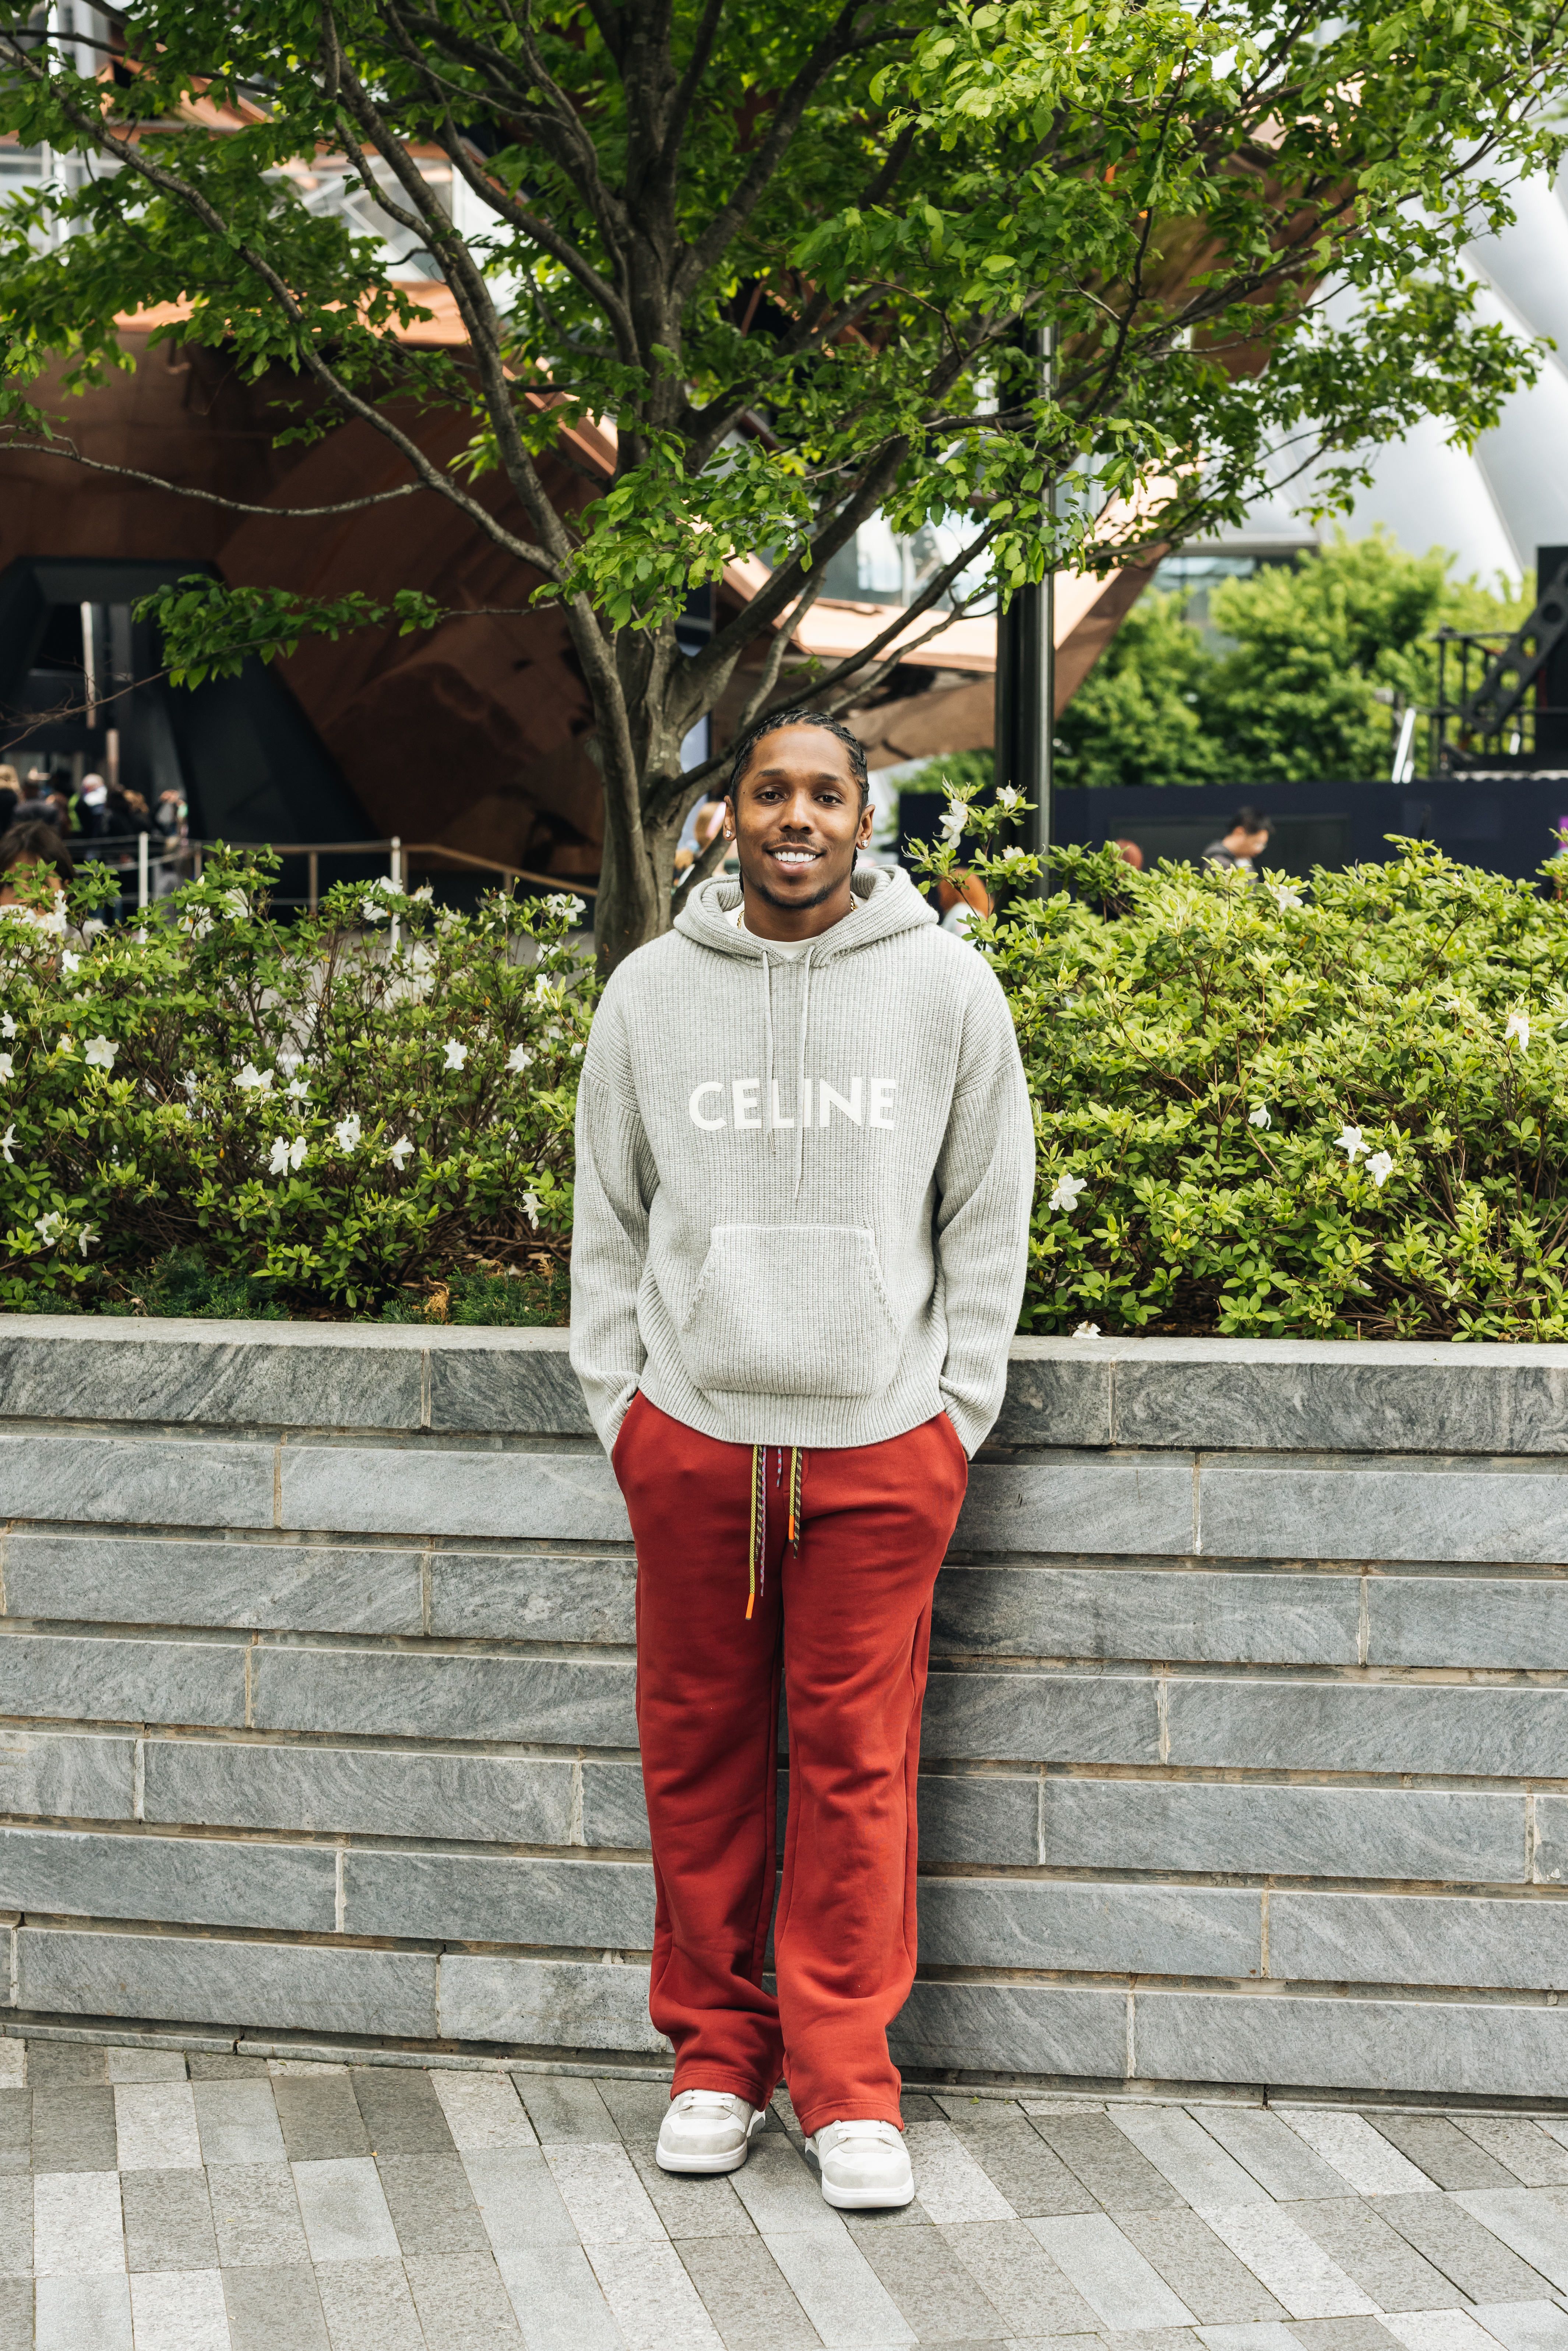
(758, 1562)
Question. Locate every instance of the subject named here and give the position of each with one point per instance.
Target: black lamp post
(1026, 673)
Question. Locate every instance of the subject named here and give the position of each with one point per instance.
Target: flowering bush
(1283, 1109)
(354, 1114)
(1277, 1108)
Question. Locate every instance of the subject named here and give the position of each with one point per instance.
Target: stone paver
(152, 2200)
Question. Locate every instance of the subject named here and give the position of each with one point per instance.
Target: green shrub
(1318, 1111)
(215, 1111)
(1311, 1111)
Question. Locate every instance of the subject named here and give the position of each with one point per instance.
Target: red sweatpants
(847, 1621)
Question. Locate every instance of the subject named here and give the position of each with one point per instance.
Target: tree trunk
(636, 877)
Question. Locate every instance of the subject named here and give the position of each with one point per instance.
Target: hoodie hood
(886, 902)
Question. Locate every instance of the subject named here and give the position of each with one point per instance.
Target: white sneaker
(864, 2166)
(707, 2131)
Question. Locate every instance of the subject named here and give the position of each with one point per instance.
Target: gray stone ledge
(1463, 2048)
(1284, 1394)
(241, 1985)
(1418, 1834)
(547, 2003)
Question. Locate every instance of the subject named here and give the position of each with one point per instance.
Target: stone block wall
(1246, 1746)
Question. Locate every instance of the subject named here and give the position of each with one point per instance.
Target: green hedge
(1316, 1110)
(369, 1112)
(1331, 1111)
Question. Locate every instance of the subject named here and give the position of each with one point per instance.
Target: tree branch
(71, 455)
(549, 239)
(704, 255)
(131, 155)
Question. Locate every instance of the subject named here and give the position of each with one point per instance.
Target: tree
(1312, 657)
(796, 258)
(1135, 719)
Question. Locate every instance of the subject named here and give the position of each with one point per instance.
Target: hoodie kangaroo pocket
(790, 1311)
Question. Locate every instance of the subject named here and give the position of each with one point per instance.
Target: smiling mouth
(793, 859)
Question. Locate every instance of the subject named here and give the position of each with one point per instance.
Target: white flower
(955, 817)
(399, 1152)
(189, 1082)
(1008, 799)
(373, 910)
(1349, 1141)
(1380, 1168)
(1285, 898)
(544, 986)
(348, 1133)
(426, 890)
(297, 1089)
(7, 1025)
(1087, 1330)
(1259, 1116)
(286, 1155)
(86, 1237)
(7, 1140)
(531, 1209)
(236, 904)
(254, 1081)
(142, 938)
(98, 1053)
(198, 922)
(69, 962)
(565, 902)
(456, 1054)
(1065, 1196)
(296, 1151)
(388, 887)
(48, 1226)
(517, 1060)
(6, 1067)
(1517, 1026)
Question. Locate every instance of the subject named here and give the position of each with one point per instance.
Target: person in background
(92, 799)
(31, 848)
(1130, 854)
(171, 823)
(35, 804)
(1247, 839)
(962, 897)
(705, 822)
(10, 795)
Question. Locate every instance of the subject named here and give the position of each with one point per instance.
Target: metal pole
(1026, 675)
(142, 872)
(315, 883)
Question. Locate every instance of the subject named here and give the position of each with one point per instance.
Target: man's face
(797, 819)
(1246, 844)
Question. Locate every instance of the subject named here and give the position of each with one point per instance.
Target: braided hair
(741, 758)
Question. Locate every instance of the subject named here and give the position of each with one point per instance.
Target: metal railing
(396, 848)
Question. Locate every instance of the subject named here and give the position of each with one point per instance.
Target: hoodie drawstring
(795, 1522)
(800, 1082)
(768, 1095)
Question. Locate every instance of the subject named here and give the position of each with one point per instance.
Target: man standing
(805, 1164)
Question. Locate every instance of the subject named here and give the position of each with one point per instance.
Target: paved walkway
(200, 2202)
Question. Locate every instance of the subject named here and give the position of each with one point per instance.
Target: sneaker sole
(865, 2199)
(704, 2166)
(708, 2166)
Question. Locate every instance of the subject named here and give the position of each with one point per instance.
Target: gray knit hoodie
(803, 1183)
